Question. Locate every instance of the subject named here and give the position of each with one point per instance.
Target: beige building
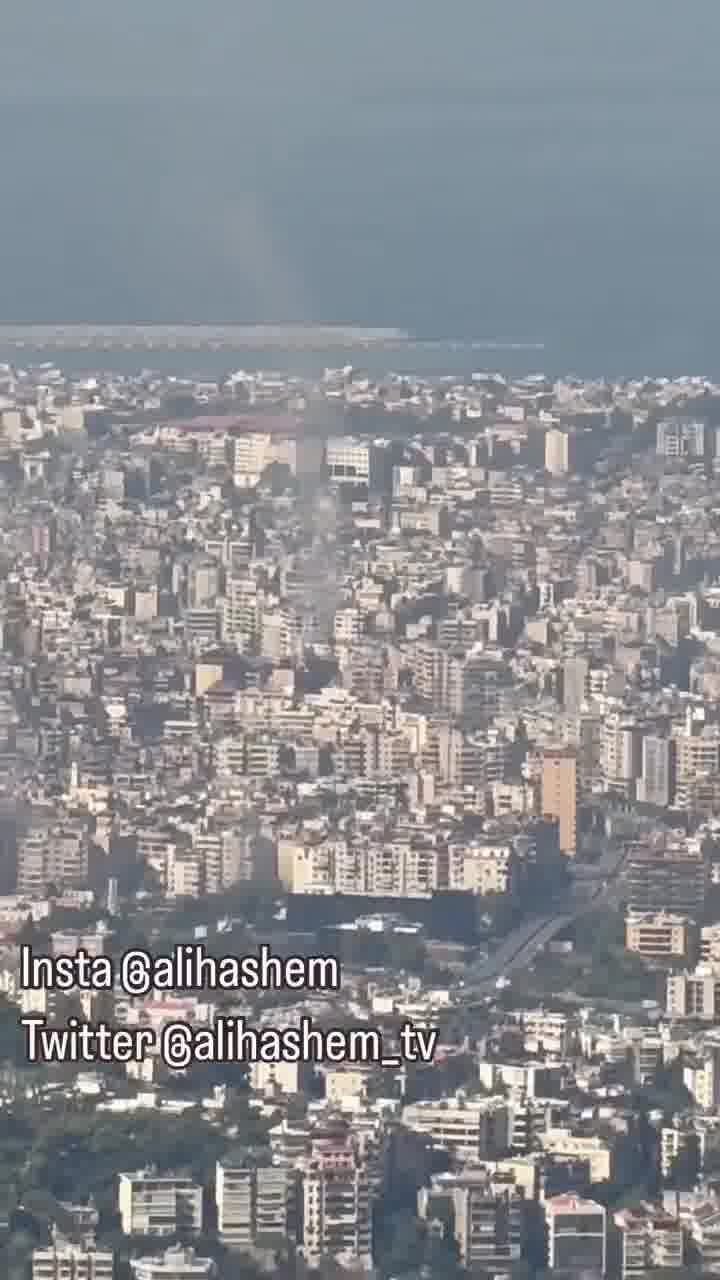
(253, 453)
(697, 753)
(185, 874)
(558, 451)
(312, 867)
(345, 1084)
(660, 936)
(285, 1077)
(559, 794)
(481, 868)
(206, 675)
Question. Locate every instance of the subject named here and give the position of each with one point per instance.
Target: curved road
(593, 885)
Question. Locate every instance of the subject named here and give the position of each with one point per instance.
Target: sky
(532, 169)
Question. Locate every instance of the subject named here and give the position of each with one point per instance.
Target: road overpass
(587, 894)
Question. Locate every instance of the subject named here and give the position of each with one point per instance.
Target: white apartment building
(242, 612)
(710, 943)
(701, 1078)
(701, 1135)
(348, 626)
(174, 1264)
(545, 1032)
(469, 1128)
(650, 1239)
(256, 1202)
(336, 1211)
(397, 870)
(352, 461)
(620, 752)
(695, 995)
(562, 1142)
(656, 785)
(577, 1234)
(66, 1261)
(152, 1204)
(488, 1217)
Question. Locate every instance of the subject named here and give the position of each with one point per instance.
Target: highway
(592, 887)
(517, 950)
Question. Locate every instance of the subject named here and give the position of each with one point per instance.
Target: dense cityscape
(410, 680)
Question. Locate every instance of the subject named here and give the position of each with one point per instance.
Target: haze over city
(359, 640)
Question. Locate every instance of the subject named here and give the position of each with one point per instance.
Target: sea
(512, 171)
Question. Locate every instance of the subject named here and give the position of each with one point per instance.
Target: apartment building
(670, 876)
(681, 438)
(650, 1239)
(242, 614)
(559, 451)
(64, 1260)
(487, 1217)
(280, 1077)
(174, 1264)
(559, 794)
(469, 1128)
(357, 462)
(656, 785)
(152, 1204)
(710, 943)
(544, 1032)
(701, 1078)
(577, 1235)
(563, 1143)
(54, 855)
(256, 1201)
(482, 868)
(620, 754)
(697, 756)
(336, 1206)
(692, 1139)
(696, 994)
(459, 683)
(660, 936)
